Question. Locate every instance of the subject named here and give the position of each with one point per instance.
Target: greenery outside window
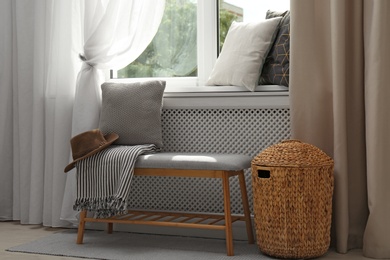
(173, 51)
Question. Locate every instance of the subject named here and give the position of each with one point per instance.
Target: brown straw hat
(87, 144)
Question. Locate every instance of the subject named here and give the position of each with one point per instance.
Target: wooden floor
(13, 234)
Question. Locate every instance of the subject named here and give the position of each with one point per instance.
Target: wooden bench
(222, 166)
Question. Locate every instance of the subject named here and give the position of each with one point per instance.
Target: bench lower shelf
(169, 219)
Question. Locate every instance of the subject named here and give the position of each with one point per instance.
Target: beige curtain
(340, 102)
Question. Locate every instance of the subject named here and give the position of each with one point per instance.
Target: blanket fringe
(102, 207)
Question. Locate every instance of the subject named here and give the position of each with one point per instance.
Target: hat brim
(110, 138)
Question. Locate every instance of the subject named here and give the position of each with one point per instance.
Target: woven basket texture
(293, 207)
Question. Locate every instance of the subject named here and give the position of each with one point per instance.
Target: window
(186, 46)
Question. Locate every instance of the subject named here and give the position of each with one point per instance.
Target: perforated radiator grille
(244, 131)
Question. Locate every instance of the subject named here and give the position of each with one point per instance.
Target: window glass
(173, 51)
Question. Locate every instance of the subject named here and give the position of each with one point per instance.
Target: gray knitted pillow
(133, 111)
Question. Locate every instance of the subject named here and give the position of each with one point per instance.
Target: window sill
(207, 90)
(182, 93)
(267, 96)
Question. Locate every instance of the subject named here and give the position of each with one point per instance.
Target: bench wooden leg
(228, 219)
(245, 205)
(110, 227)
(80, 232)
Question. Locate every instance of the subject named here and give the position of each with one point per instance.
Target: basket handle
(263, 174)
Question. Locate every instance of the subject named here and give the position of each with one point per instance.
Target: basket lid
(292, 153)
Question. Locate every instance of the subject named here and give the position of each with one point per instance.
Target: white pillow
(243, 54)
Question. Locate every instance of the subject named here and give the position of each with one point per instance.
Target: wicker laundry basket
(292, 196)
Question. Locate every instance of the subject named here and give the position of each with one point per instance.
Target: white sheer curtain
(37, 75)
(40, 108)
(114, 33)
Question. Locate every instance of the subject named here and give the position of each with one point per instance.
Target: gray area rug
(135, 246)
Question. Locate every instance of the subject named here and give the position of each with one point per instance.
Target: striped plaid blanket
(103, 180)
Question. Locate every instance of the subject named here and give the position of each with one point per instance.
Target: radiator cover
(244, 131)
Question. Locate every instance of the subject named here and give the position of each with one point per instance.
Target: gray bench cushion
(195, 161)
